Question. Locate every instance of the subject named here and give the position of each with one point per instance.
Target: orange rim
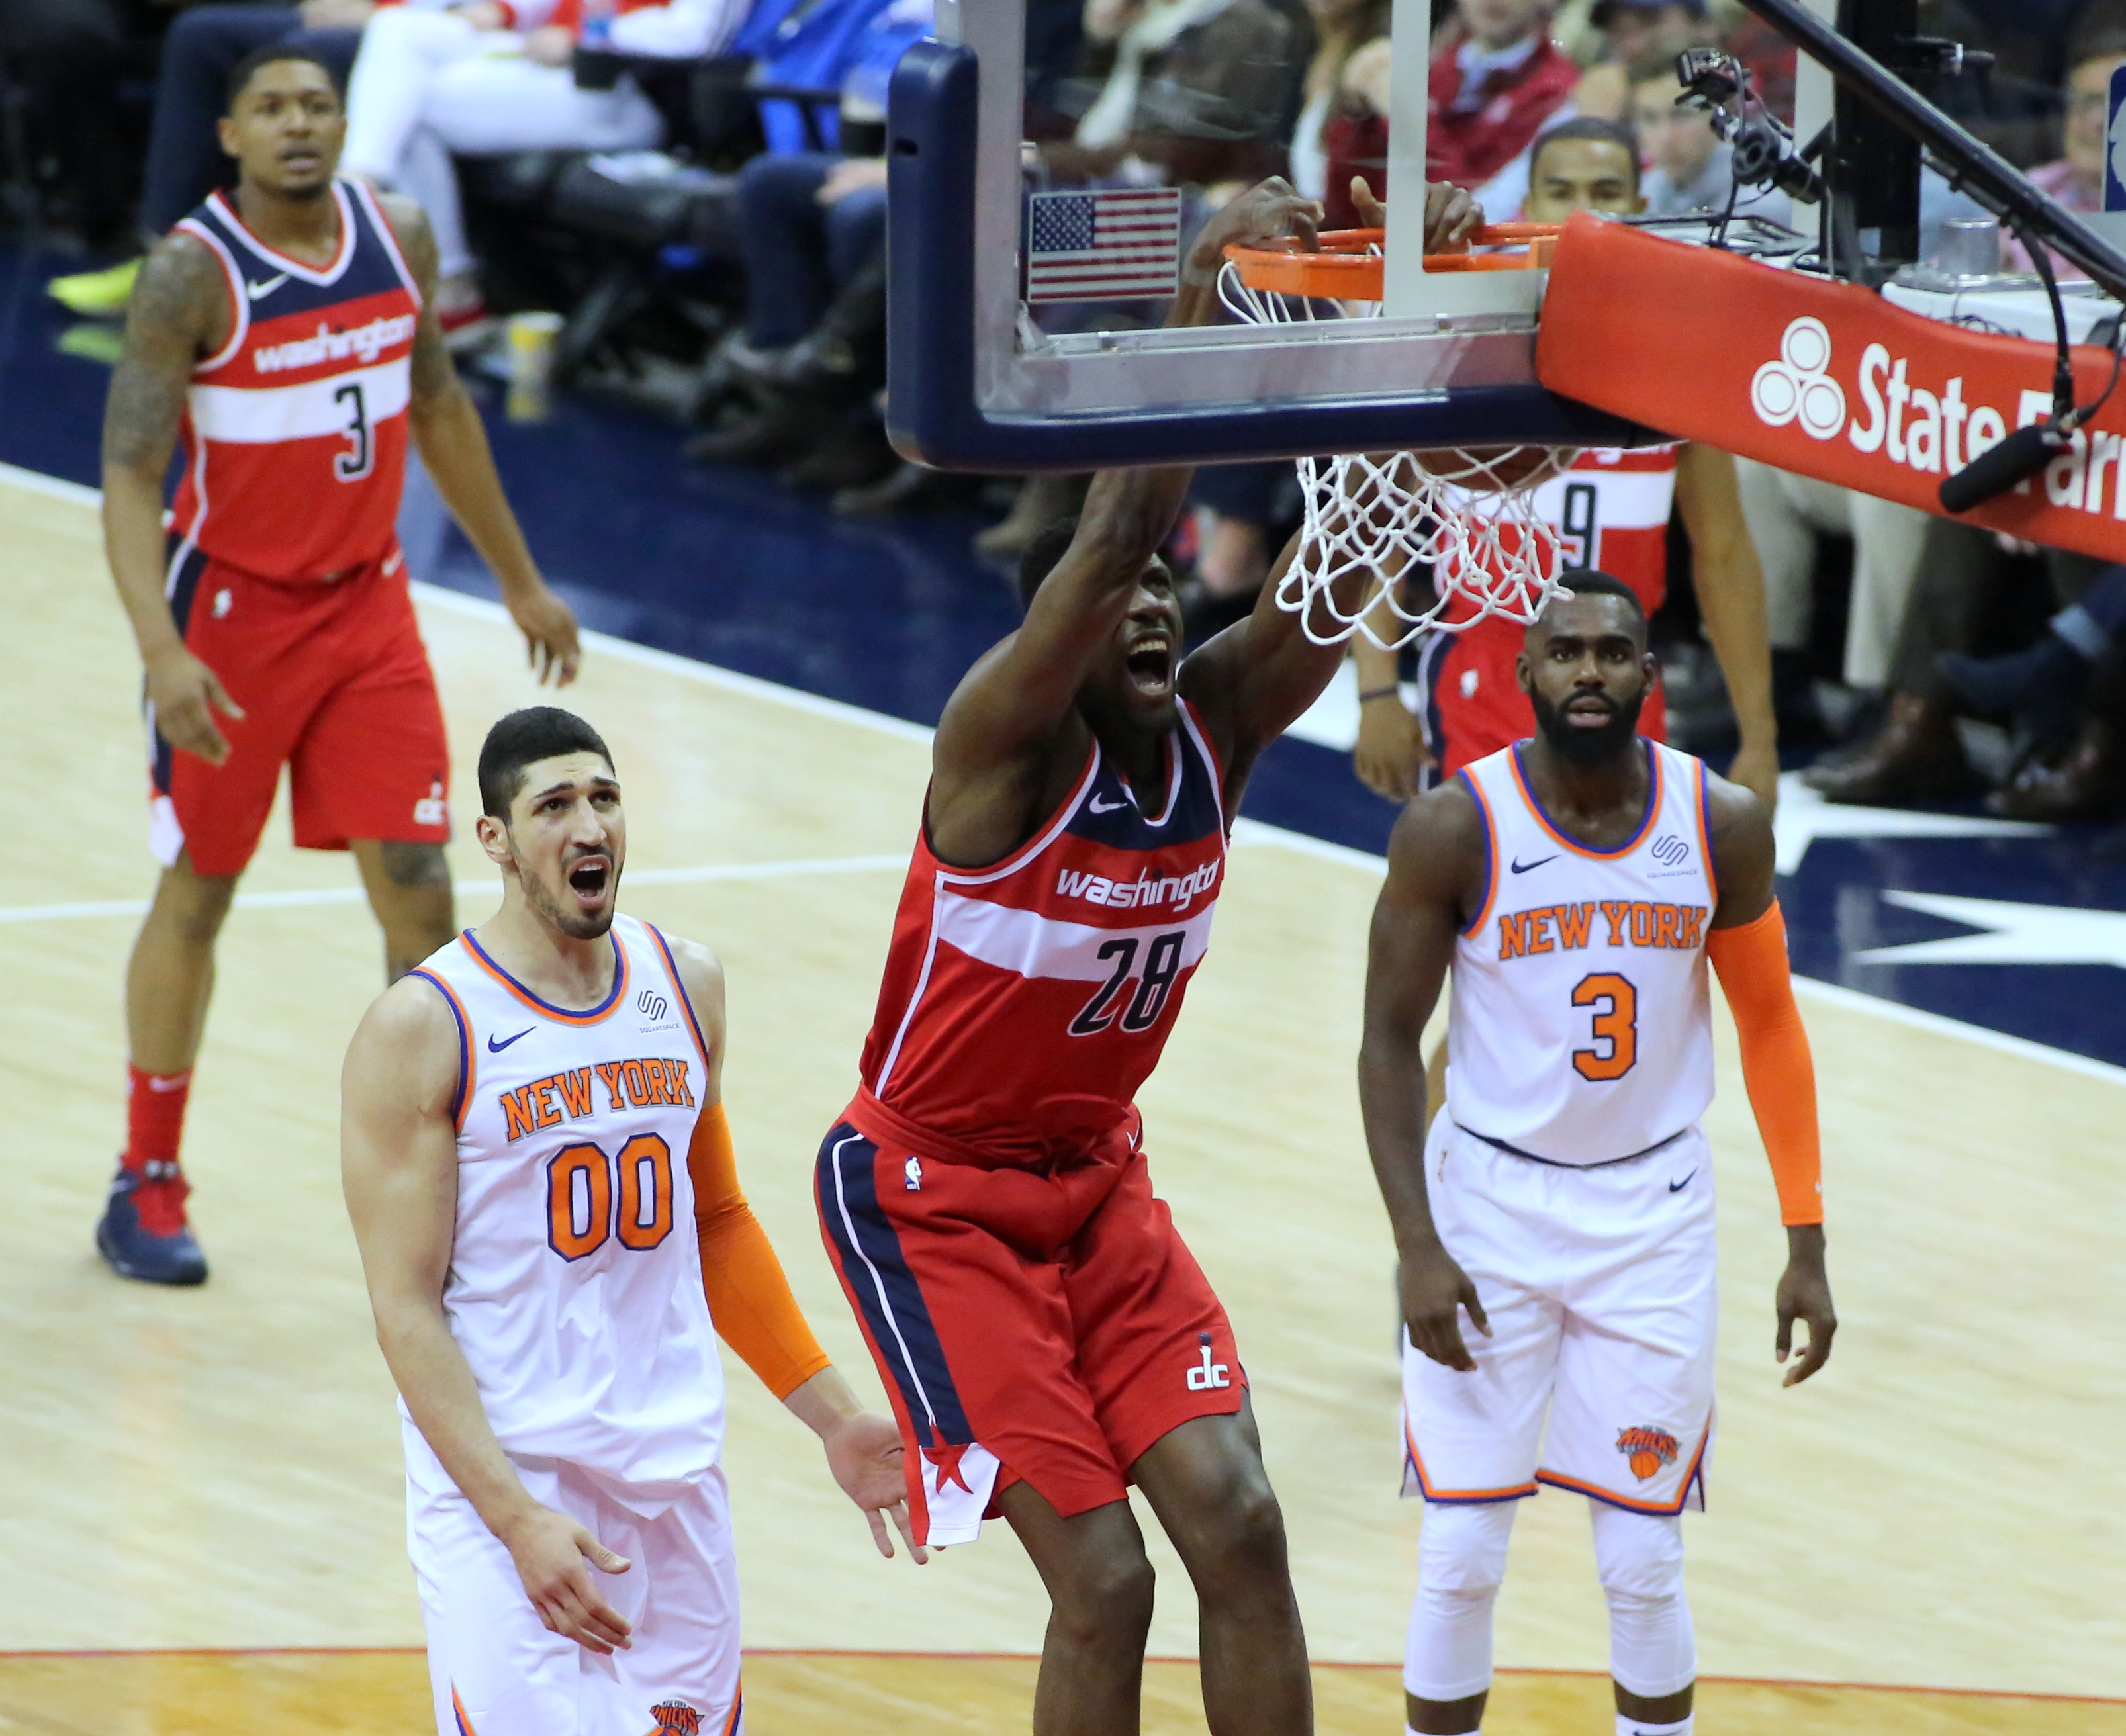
(1345, 264)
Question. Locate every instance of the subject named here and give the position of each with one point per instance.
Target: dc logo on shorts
(1669, 850)
(652, 1005)
(432, 810)
(1646, 1451)
(676, 1717)
(1207, 1375)
(1798, 386)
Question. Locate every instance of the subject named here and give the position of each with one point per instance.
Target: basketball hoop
(1465, 512)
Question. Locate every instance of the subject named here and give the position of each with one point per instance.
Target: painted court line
(1246, 831)
(472, 888)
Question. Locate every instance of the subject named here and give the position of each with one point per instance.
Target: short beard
(1585, 746)
(573, 923)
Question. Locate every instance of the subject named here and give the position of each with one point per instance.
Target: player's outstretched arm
(749, 1300)
(447, 429)
(1014, 702)
(1255, 679)
(1747, 944)
(1730, 581)
(1437, 852)
(179, 312)
(399, 1170)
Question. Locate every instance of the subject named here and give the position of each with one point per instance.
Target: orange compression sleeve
(750, 1299)
(1777, 1071)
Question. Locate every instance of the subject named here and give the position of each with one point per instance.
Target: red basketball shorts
(1472, 701)
(335, 684)
(1040, 1323)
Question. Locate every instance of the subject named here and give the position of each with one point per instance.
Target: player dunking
(1046, 1337)
(1577, 883)
(287, 331)
(541, 1180)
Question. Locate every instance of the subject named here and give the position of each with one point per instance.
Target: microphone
(1999, 467)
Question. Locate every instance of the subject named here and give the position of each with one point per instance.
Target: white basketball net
(1469, 515)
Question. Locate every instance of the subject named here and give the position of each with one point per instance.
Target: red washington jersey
(1023, 1004)
(295, 430)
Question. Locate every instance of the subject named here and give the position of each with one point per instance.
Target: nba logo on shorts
(676, 1717)
(1207, 1375)
(1646, 1450)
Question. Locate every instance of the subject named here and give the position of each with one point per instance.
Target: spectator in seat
(490, 77)
(1690, 167)
(1496, 80)
(1343, 128)
(812, 233)
(2076, 179)
(1636, 37)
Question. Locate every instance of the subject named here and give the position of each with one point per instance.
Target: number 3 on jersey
(1616, 1004)
(580, 1209)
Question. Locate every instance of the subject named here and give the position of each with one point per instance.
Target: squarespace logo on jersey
(1925, 426)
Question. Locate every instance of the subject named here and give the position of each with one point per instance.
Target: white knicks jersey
(1580, 1028)
(575, 1282)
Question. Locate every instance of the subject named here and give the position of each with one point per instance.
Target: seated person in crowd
(490, 77)
(1690, 167)
(1342, 129)
(1637, 36)
(812, 233)
(1497, 79)
(2095, 49)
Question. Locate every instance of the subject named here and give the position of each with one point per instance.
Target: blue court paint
(728, 567)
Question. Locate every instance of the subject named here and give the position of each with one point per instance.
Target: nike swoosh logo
(1520, 867)
(1678, 1187)
(1098, 806)
(495, 1048)
(259, 291)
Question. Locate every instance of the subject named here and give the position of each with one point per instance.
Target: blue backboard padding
(2114, 144)
(933, 412)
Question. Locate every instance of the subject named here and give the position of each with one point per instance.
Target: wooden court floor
(219, 1470)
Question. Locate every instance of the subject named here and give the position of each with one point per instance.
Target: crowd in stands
(119, 99)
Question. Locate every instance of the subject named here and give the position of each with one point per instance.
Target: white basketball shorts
(496, 1669)
(1599, 1287)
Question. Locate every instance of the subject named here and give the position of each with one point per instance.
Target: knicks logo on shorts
(1646, 1449)
(675, 1718)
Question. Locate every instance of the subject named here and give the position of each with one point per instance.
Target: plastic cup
(531, 365)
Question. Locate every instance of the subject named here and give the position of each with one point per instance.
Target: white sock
(1408, 1731)
(1639, 1727)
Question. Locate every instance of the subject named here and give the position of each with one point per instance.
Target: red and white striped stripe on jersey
(295, 430)
(1024, 1003)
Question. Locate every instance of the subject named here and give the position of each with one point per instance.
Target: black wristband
(1368, 697)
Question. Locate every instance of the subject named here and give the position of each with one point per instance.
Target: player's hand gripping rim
(186, 694)
(867, 1457)
(1804, 1295)
(554, 1556)
(1451, 215)
(1434, 1290)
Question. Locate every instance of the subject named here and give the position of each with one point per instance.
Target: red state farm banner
(1826, 379)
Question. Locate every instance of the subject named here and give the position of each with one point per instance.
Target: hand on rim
(1451, 215)
(1263, 213)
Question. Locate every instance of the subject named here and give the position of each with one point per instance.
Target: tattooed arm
(179, 312)
(454, 448)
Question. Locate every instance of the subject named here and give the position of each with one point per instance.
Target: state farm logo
(1799, 387)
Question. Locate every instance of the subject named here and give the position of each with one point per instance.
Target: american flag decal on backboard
(1118, 245)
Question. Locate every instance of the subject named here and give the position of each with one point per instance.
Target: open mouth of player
(1589, 711)
(1150, 665)
(590, 879)
(302, 156)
